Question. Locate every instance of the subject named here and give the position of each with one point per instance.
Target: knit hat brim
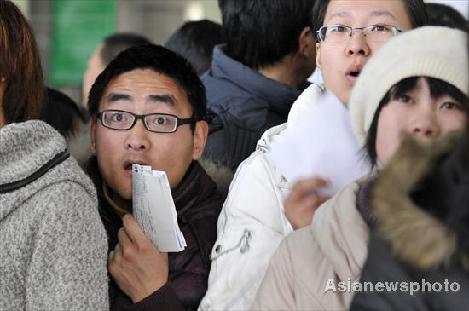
(435, 52)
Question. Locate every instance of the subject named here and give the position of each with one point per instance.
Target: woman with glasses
(53, 245)
(423, 94)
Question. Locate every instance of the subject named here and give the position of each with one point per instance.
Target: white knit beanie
(436, 52)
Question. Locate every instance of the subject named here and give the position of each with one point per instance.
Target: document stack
(154, 210)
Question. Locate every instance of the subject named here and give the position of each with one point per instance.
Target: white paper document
(154, 209)
(322, 144)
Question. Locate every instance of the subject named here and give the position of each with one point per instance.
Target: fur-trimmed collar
(220, 174)
(416, 236)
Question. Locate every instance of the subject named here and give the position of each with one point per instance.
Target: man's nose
(137, 138)
(357, 44)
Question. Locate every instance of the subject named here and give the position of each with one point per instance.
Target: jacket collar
(364, 196)
(248, 79)
(195, 187)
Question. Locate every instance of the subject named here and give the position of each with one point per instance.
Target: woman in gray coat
(53, 246)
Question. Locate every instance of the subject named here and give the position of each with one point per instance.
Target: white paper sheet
(154, 209)
(322, 145)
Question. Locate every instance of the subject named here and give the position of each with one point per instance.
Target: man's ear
(200, 139)
(306, 42)
(93, 134)
(318, 55)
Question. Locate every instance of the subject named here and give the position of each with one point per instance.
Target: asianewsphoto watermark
(387, 286)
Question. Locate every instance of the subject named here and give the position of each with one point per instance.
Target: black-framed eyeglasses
(153, 122)
(340, 33)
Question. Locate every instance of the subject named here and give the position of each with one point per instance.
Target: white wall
(158, 19)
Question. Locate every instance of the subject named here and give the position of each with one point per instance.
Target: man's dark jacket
(243, 104)
(198, 204)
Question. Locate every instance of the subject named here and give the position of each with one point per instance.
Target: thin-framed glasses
(341, 33)
(153, 122)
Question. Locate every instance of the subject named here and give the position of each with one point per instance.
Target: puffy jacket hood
(419, 202)
(25, 149)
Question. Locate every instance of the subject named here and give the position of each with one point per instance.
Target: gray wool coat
(53, 248)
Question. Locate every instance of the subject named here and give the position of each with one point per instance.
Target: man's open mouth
(128, 164)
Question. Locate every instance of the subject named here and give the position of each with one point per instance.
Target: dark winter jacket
(243, 104)
(421, 205)
(198, 204)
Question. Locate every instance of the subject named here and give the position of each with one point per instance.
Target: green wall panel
(77, 27)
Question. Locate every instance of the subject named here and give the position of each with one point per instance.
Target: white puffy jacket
(252, 223)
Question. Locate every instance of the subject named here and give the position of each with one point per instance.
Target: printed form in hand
(154, 210)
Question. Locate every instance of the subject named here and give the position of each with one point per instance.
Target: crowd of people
(290, 195)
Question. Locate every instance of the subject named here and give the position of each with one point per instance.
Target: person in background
(257, 75)
(422, 94)
(53, 245)
(110, 47)
(195, 41)
(63, 114)
(254, 219)
(440, 14)
(148, 107)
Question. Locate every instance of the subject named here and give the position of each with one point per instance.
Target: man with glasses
(148, 107)
(350, 32)
(254, 219)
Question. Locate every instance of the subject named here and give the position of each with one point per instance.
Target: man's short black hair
(262, 32)
(160, 60)
(117, 42)
(415, 8)
(195, 41)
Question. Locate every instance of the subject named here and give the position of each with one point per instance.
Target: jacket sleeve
(276, 289)
(68, 261)
(250, 228)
